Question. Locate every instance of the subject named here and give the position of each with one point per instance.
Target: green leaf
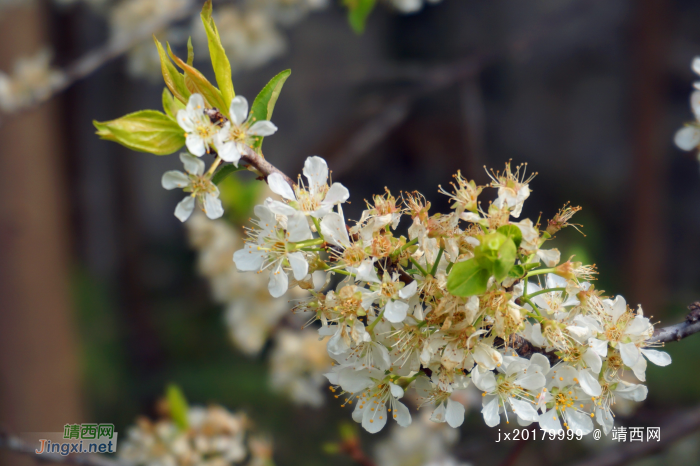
(506, 260)
(190, 52)
(487, 252)
(496, 254)
(173, 79)
(512, 232)
(467, 278)
(222, 67)
(145, 131)
(517, 271)
(178, 406)
(196, 83)
(171, 105)
(264, 103)
(358, 12)
(225, 171)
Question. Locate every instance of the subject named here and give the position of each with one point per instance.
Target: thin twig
(17, 445)
(673, 430)
(431, 79)
(113, 49)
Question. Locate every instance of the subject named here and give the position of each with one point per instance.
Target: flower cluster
(471, 297)
(213, 437)
(204, 135)
(447, 305)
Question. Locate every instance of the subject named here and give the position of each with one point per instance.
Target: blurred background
(102, 302)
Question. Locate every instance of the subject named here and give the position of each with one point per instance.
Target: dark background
(100, 305)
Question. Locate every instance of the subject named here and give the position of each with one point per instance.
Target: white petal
(374, 421)
(687, 138)
(578, 422)
(184, 120)
(280, 187)
(599, 346)
(605, 419)
(280, 208)
(337, 194)
(590, 322)
(193, 165)
(212, 206)
(484, 381)
(366, 273)
(316, 171)
(266, 216)
(589, 383)
(195, 103)
(184, 208)
(279, 282)
(337, 344)
(638, 326)
(490, 412)
(592, 360)
(524, 410)
(541, 361)
(580, 334)
(238, 110)
(395, 311)
(402, 414)
(174, 179)
(631, 391)
(549, 422)
(396, 391)
(299, 265)
(298, 228)
(454, 413)
(195, 144)
(408, 290)
(229, 152)
(249, 259)
(550, 257)
(262, 128)
(640, 369)
(358, 412)
(532, 381)
(334, 231)
(438, 414)
(629, 353)
(354, 381)
(660, 358)
(619, 306)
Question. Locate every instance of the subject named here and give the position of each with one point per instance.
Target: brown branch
(262, 166)
(673, 430)
(17, 445)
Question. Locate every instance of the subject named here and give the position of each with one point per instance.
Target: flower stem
(534, 308)
(307, 243)
(408, 245)
(371, 326)
(541, 271)
(422, 270)
(433, 271)
(213, 167)
(318, 226)
(537, 293)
